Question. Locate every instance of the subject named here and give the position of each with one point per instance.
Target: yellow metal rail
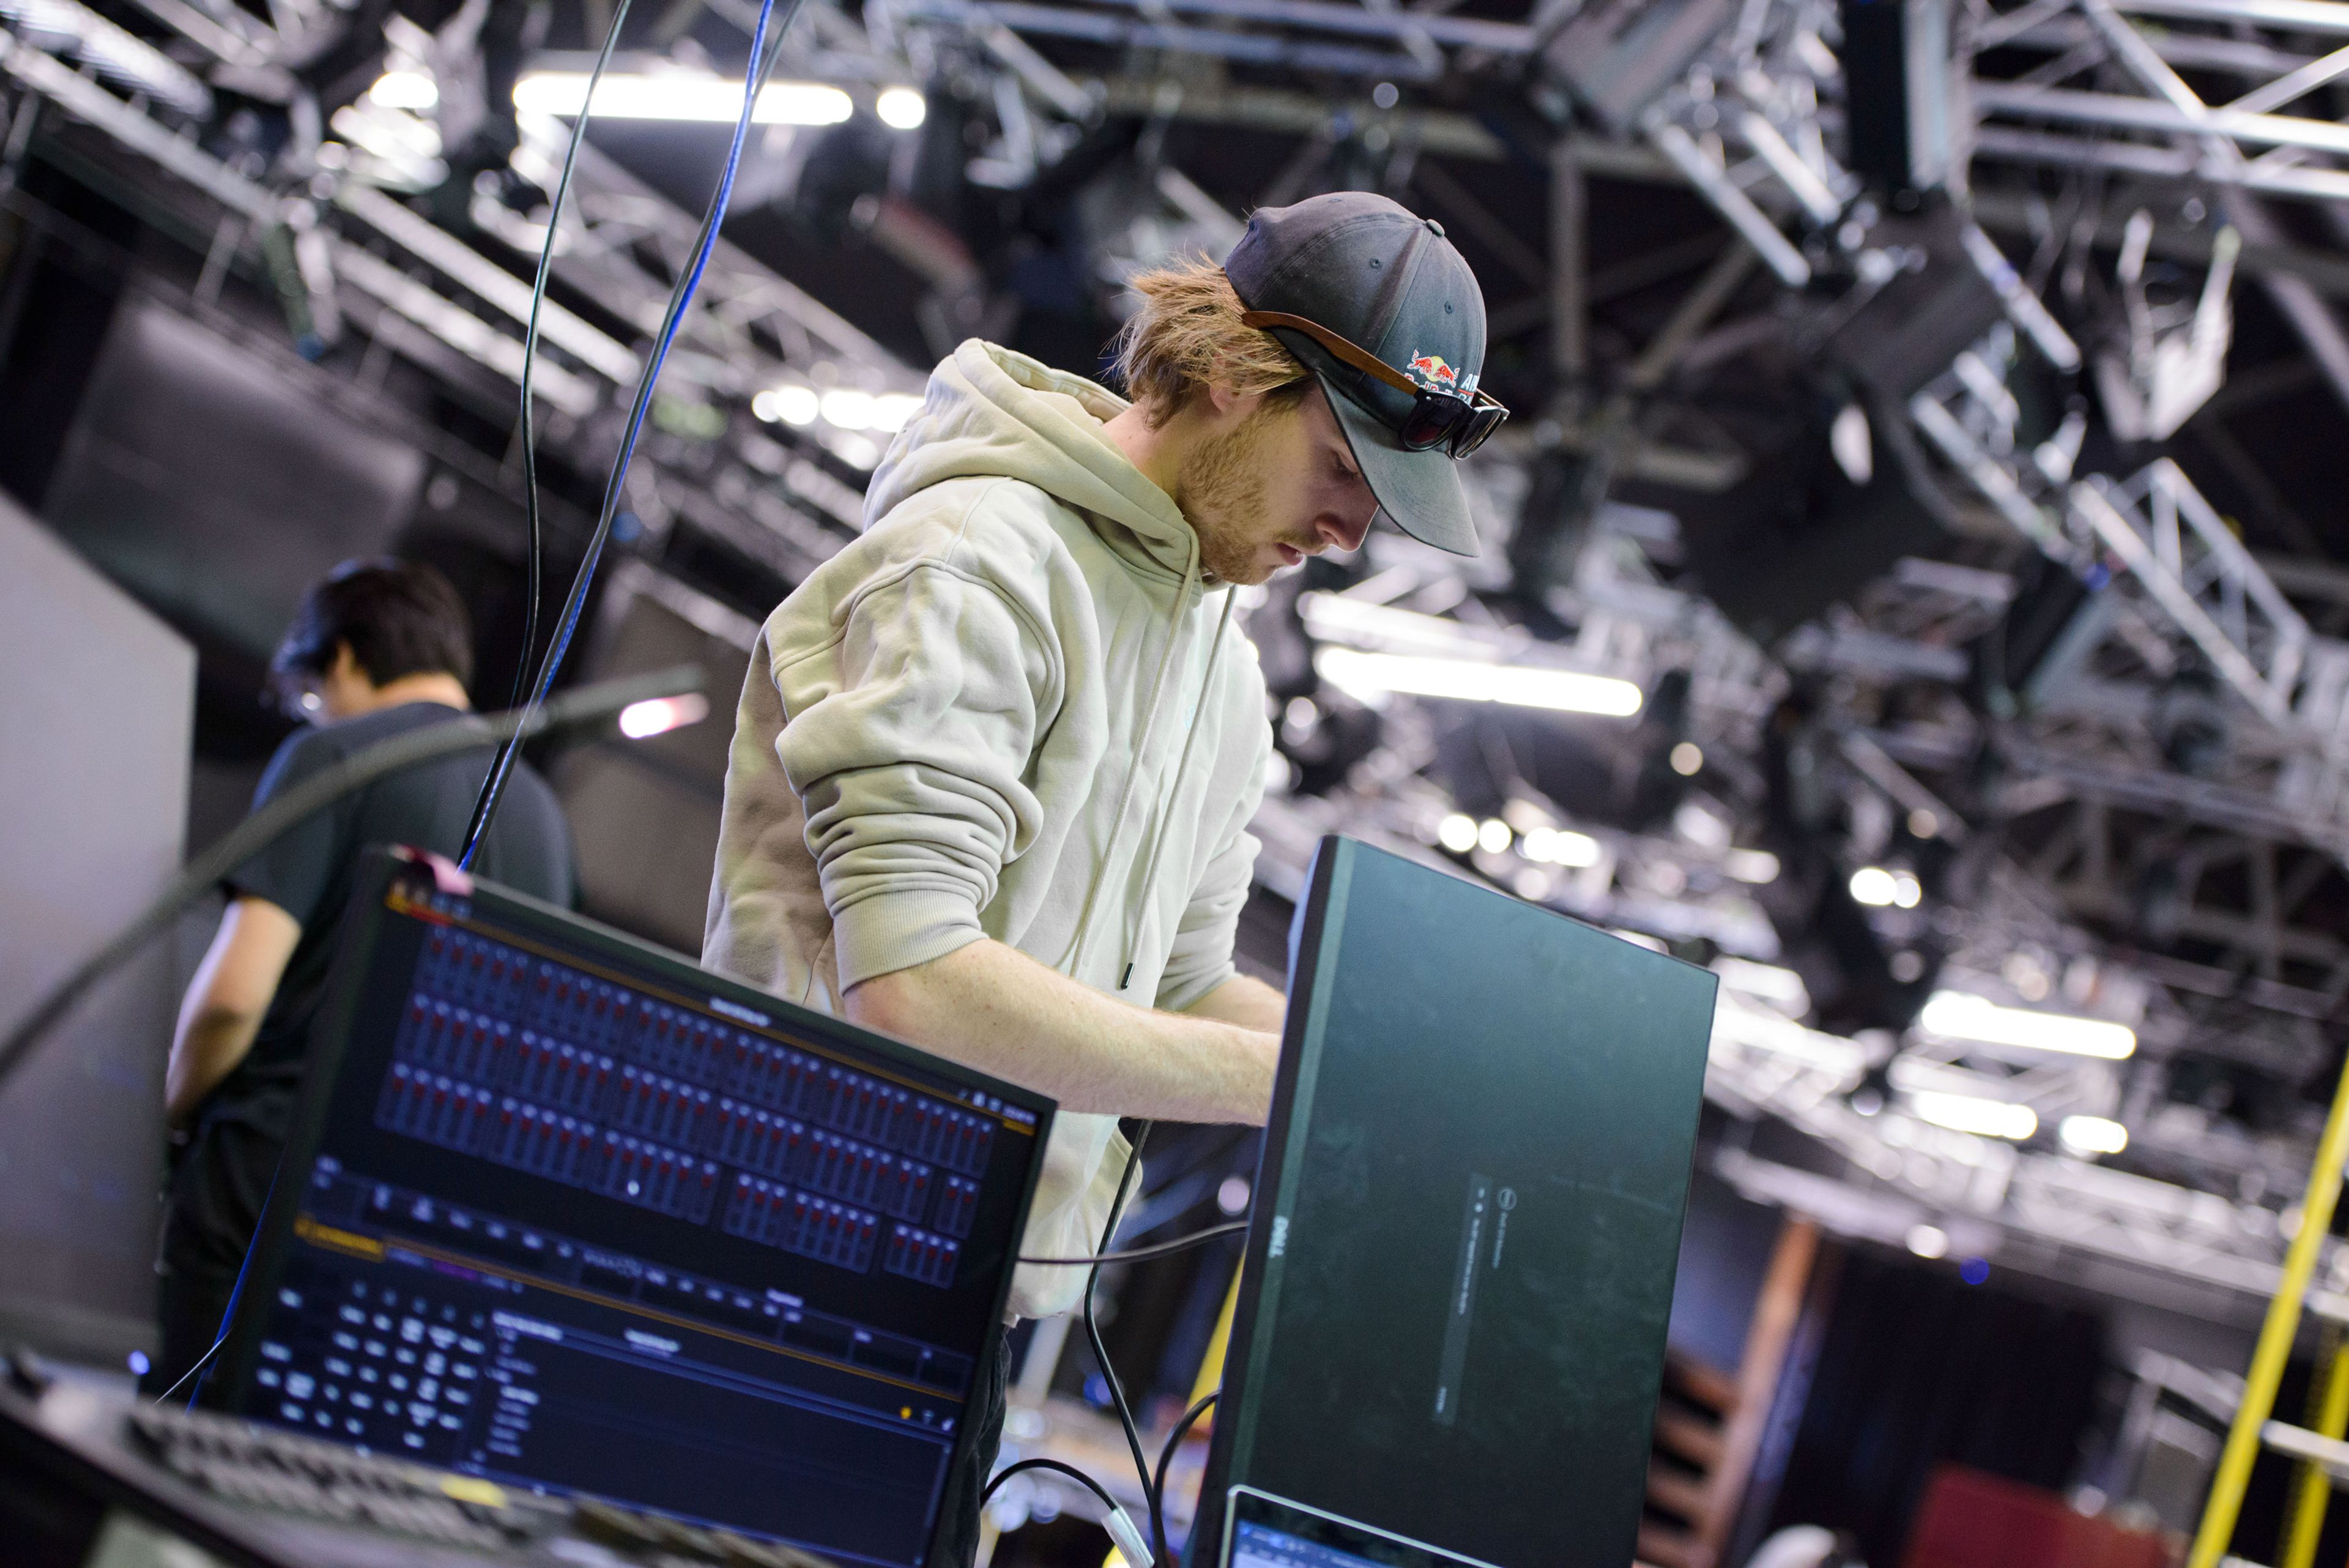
(2226, 1505)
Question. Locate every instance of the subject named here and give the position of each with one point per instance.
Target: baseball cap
(1373, 272)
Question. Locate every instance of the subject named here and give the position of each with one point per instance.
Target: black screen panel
(1453, 1314)
(567, 1215)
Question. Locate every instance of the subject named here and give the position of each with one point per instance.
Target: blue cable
(762, 61)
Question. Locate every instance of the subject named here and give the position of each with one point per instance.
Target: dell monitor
(1450, 1331)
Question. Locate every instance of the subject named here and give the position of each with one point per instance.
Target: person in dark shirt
(378, 648)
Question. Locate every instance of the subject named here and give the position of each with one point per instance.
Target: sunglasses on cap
(1437, 417)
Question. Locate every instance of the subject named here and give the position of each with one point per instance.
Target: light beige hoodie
(1010, 710)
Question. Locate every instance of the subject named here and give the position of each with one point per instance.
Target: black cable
(281, 815)
(763, 54)
(529, 429)
(1158, 1482)
(1093, 1327)
(1156, 1250)
(1008, 1471)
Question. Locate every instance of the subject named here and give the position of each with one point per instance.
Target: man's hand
(227, 1000)
(992, 1007)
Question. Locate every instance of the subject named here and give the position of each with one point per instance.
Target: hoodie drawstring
(1175, 790)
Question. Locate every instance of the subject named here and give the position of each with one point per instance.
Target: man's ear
(1223, 403)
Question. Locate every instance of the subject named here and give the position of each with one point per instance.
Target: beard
(1223, 484)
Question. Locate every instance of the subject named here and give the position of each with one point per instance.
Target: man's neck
(1158, 453)
(430, 686)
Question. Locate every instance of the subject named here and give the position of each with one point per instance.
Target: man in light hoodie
(995, 763)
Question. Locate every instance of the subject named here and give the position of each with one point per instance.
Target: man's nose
(1340, 533)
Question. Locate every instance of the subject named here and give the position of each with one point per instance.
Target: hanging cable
(529, 429)
(1114, 1519)
(762, 61)
(1156, 1250)
(1093, 1327)
(283, 815)
(1158, 1479)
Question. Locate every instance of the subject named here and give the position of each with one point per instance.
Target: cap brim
(1421, 491)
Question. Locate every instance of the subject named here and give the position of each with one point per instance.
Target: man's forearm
(1245, 1001)
(994, 1007)
(210, 1045)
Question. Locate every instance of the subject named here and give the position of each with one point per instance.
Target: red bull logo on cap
(1431, 371)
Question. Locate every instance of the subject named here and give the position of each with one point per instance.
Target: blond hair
(1188, 335)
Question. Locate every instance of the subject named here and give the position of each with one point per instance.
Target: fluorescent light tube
(1973, 1114)
(1956, 1015)
(683, 95)
(2086, 1136)
(1373, 675)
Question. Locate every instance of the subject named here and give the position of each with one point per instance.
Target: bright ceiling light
(1956, 1015)
(1928, 1242)
(1457, 833)
(1757, 867)
(1874, 885)
(680, 96)
(1907, 892)
(658, 715)
(1373, 675)
(1973, 1114)
(1560, 846)
(405, 90)
(849, 410)
(1687, 759)
(797, 406)
(901, 107)
(2085, 1135)
(1493, 835)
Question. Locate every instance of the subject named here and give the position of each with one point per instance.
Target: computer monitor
(567, 1213)
(1450, 1327)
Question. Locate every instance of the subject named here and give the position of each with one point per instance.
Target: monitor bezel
(1322, 1528)
(379, 868)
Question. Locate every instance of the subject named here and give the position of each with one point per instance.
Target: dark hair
(399, 618)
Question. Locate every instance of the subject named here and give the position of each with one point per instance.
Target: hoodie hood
(992, 413)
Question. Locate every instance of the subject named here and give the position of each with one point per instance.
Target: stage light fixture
(1928, 1242)
(408, 90)
(1873, 885)
(1493, 835)
(1457, 833)
(659, 715)
(688, 95)
(901, 108)
(1373, 676)
(1687, 759)
(1560, 846)
(2086, 1136)
(1956, 1015)
(1973, 1114)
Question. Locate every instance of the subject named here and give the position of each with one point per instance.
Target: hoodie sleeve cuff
(889, 931)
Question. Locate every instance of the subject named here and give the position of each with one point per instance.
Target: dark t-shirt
(308, 872)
